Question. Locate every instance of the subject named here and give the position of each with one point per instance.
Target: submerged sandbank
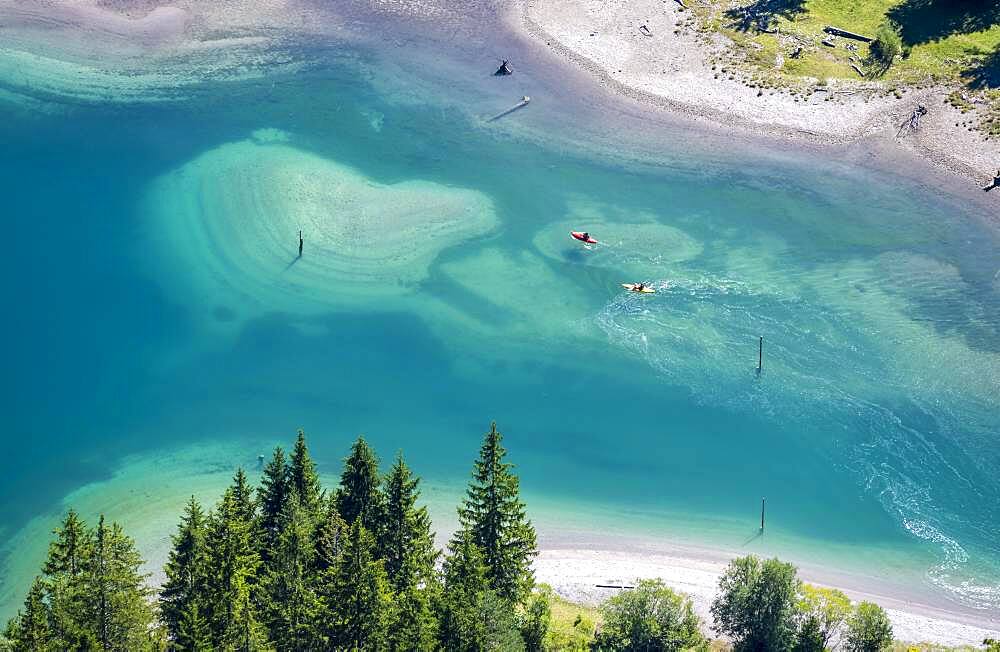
(226, 226)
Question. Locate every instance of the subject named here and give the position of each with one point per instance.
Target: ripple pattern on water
(848, 347)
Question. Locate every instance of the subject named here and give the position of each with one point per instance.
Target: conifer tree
(32, 629)
(244, 632)
(359, 596)
(472, 616)
(194, 633)
(331, 535)
(273, 497)
(409, 554)
(120, 616)
(359, 496)
(232, 563)
(68, 557)
(294, 608)
(414, 622)
(303, 477)
(185, 591)
(243, 499)
(70, 549)
(407, 540)
(8, 637)
(494, 516)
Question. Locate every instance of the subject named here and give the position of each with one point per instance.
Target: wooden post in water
(761, 514)
(760, 355)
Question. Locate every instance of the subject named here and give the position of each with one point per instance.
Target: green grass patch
(572, 626)
(944, 42)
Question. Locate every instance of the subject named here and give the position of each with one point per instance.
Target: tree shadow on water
(921, 21)
(985, 73)
(759, 14)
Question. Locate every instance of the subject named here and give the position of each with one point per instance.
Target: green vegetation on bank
(917, 43)
(289, 565)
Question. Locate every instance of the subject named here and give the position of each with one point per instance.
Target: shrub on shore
(649, 617)
(884, 49)
(868, 629)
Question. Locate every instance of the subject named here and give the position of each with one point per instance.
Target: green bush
(649, 617)
(868, 629)
(884, 49)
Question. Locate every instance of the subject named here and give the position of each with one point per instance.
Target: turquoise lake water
(153, 299)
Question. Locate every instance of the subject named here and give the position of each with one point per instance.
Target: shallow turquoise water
(872, 428)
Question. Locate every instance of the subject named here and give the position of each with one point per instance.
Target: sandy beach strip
(575, 573)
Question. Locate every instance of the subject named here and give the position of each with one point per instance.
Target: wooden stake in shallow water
(760, 355)
(761, 514)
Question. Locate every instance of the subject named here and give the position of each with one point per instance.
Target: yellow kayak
(634, 287)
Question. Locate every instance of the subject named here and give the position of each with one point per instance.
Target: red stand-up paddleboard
(583, 237)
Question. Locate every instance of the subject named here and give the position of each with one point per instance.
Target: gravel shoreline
(574, 574)
(672, 69)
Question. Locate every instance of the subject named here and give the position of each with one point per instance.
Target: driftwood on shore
(913, 122)
(836, 31)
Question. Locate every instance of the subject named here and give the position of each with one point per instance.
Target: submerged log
(523, 103)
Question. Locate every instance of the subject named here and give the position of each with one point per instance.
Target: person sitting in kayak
(586, 237)
(638, 287)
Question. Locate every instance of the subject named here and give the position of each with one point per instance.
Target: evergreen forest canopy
(289, 565)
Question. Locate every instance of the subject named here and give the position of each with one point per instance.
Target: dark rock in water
(504, 69)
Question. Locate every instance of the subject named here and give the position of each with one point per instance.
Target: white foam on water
(842, 347)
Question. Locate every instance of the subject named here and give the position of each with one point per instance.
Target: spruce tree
(303, 477)
(68, 557)
(358, 595)
(8, 637)
(70, 549)
(471, 614)
(414, 621)
(273, 498)
(294, 608)
(245, 632)
(243, 499)
(359, 495)
(331, 536)
(494, 517)
(407, 540)
(232, 566)
(120, 615)
(194, 632)
(32, 631)
(409, 554)
(185, 591)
